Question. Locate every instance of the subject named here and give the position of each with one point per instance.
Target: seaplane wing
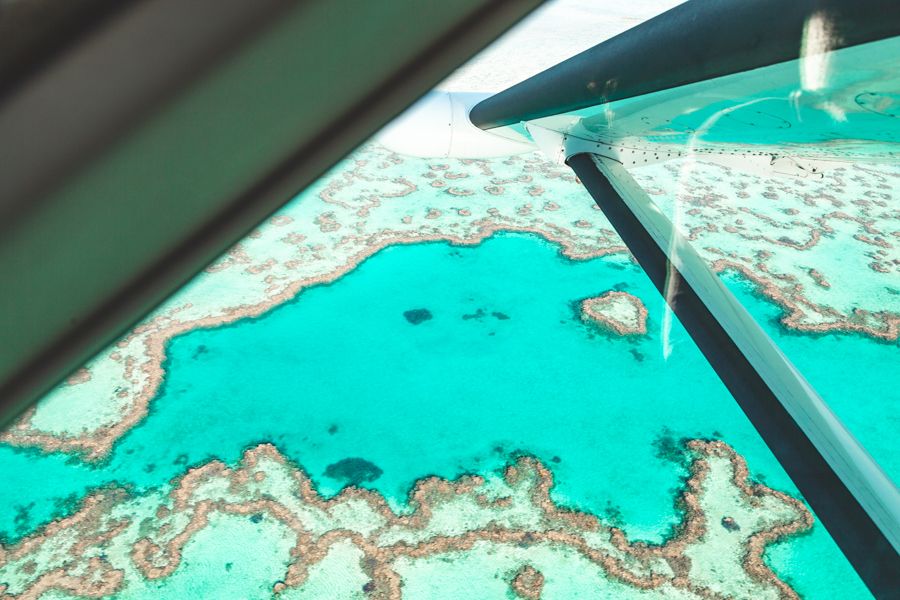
(800, 84)
(799, 117)
(790, 88)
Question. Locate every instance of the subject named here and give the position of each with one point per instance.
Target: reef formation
(506, 522)
(618, 312)
(795, 240)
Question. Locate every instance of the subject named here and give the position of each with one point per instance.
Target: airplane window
(439, 373)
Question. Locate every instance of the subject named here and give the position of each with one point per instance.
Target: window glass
(446, 378)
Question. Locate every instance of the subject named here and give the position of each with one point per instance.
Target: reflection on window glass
(815, 261)
(448, 379)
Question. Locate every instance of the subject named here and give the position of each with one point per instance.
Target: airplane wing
(808, 81)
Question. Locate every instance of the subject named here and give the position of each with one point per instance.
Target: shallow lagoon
(340, 373)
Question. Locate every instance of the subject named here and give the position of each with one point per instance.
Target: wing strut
(854, 499)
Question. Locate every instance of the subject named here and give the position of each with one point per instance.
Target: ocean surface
(503, 366)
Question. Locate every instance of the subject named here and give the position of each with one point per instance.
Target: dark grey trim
(33, 32)
(698, 40)
(865, 545)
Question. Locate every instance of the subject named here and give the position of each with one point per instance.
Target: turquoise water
(857, 376)
(340, 373)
